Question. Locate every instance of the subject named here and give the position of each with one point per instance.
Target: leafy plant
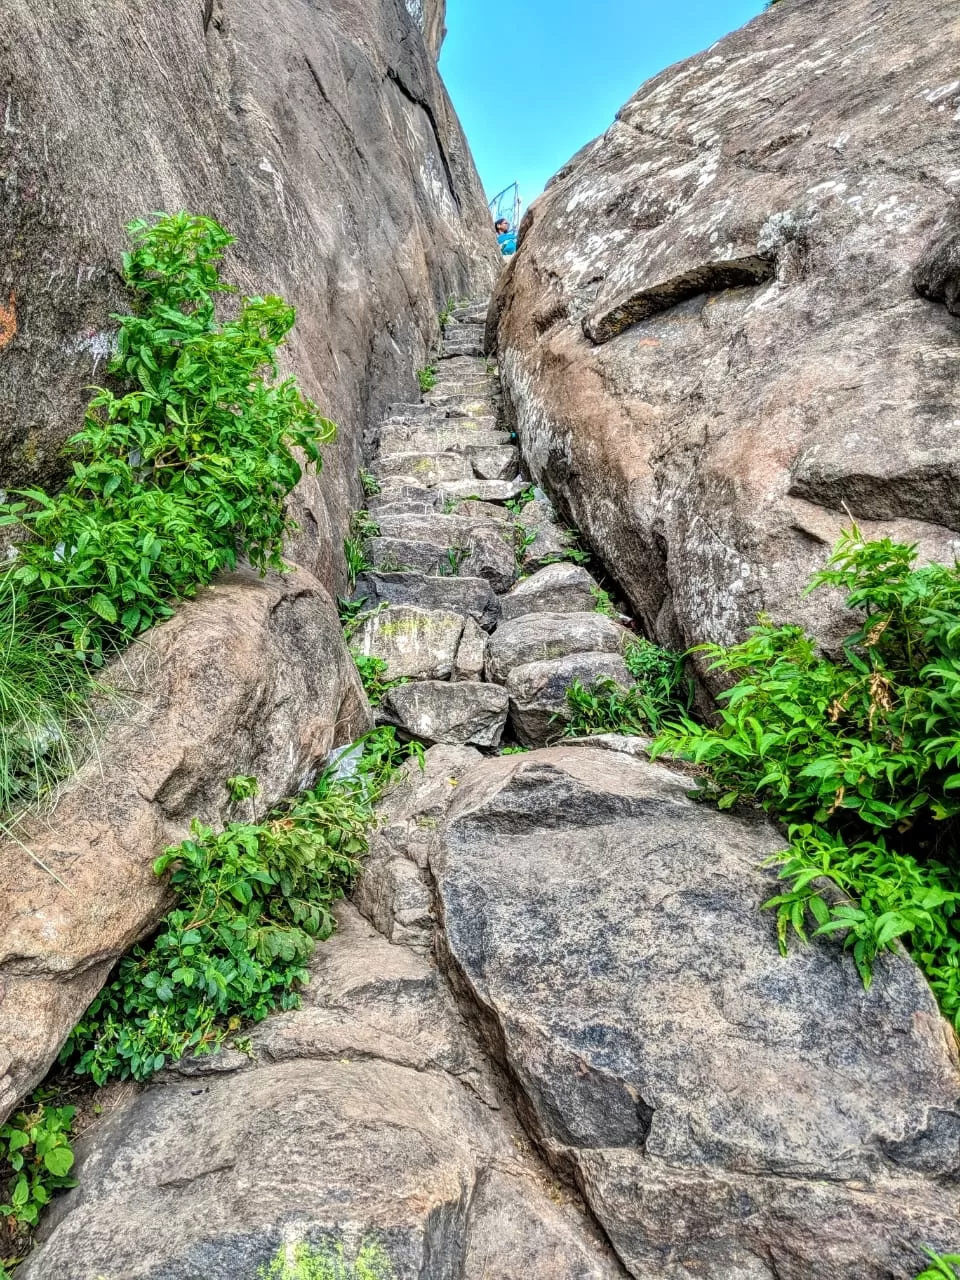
(660, 689)
(946, 1266)
(35, 1160)
(252, 902)
(514, 751)
(516, 505)
(370, 483)
(427, 378)
(372, 672)
(859, 754)
(182, 470)
(603, 603)
(329, 1262)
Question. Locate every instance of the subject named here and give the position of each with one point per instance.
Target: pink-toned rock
(713, 317)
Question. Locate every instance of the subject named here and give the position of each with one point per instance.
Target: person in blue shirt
(506, 239)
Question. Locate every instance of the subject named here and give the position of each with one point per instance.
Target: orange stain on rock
(8, 321)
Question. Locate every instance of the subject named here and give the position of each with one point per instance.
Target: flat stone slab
(421, 644)
(449, 435)
(485, 490)
(472, 597)
(538, 637)
(550, 540)
(435, 711)
(557, 588)
(538, 692)
(471, 652)
(499, 462)
(427, 469)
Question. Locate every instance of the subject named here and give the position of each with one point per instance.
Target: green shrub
(252, 901)
(181, 470)
(945, 1266)
(660, 689)
(858, 754)
(427, 378)
(36, 1158)
(329, 1262)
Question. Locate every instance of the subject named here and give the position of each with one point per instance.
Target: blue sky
(534, 80)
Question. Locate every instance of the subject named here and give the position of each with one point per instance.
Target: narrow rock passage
(473, 598)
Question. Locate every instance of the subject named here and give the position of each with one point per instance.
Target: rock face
(369, 1112)
(727, 1112)
(319, 133)
(253, 677)
(711, 338)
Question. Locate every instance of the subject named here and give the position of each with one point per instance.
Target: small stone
(499, 463)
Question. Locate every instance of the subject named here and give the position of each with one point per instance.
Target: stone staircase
(472, 598)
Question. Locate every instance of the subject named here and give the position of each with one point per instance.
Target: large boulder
(367, 1115)
(710, 336)
(318, 131)
(726, 1111)
(253, 677)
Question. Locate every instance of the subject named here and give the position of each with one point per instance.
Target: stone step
(427, 468)
(539, 637)
(481, 410)
(443, 529)
(559, 588)
(461, 406)
(455, 345)
(415, 643)
(398, 490)
(478, 552)
(545, 540)
(403, 437)
(435, 711)
(472, 312)
(439, 418)
(483, 490)
(471, 597)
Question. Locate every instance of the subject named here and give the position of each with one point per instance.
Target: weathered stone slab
(537, 637)
(422, 644)
(473, 597)
(470, 652)
(484, 490)
(426, 469)
(499, 462)
(461, 713)
(376, 1071)
(558, 588)
(729, 1112)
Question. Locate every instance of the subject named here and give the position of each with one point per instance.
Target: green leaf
(103, 607)
(59, 1161)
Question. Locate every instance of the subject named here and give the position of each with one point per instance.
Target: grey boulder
(728, 1112)
(420, 644)
(557, 588)
(435, 711)
(539, 709)
(537, 637)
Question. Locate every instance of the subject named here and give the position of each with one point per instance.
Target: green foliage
(427, 378)
(180, 471)
(603, 603)
(514, 751)
(516, 505)
(660, 689)
(362, 528)
(860, 754)
(946, 1266)
(372, 672)
(35, 1160)
(370, 483)
(252, 901)
(329, 1262)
